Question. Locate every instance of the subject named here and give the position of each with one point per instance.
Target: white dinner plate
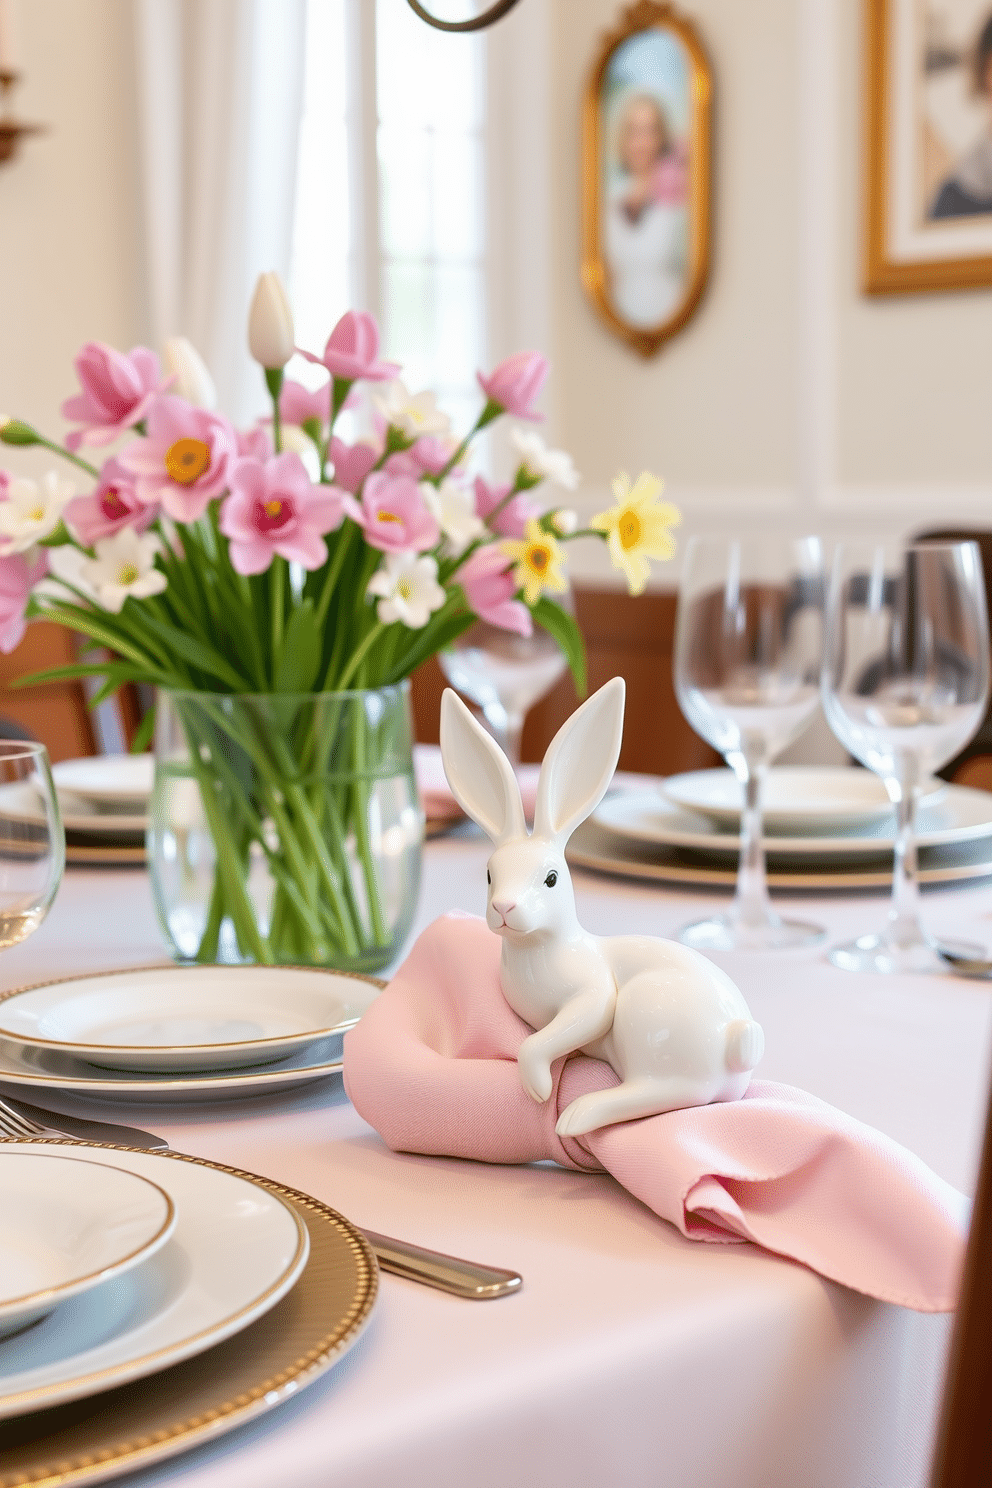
(19, 801)
(185, 1018)
(47, 1069)
(645, 816)
(67, 1226)
(108, 779)
(797, 799)
(236, 1249)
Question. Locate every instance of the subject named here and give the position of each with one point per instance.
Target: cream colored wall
(790, 400)
(69, 207)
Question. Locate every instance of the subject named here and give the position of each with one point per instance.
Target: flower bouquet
(278, 585)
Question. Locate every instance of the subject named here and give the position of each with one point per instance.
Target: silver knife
(415, 1262)
(83, 1128)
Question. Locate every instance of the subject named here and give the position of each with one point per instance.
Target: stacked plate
(180, 1033)
(118, 1266)
(104, 804)
(824, 829)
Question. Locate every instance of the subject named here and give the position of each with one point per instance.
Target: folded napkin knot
(432, 1066)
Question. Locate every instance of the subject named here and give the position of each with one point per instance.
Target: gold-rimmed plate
(236, 1249)
(68, 1226)
(186, 1019)
(132, 1427)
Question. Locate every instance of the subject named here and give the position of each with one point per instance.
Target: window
(424, 211)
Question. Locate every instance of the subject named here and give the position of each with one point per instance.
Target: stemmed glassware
(32, 841)
(505, 674)
(748, 653)
(905, 685)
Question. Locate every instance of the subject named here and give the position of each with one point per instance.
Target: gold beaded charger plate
(293, 1345)
(601, 851)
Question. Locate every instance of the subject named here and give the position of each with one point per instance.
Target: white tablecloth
(632, 1356)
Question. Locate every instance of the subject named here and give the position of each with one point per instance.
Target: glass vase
(285, 829)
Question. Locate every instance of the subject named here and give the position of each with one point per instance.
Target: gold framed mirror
(646, 175)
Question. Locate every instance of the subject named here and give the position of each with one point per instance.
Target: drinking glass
(905, 685)
(32, 842)
(748, 652)
(505, 674)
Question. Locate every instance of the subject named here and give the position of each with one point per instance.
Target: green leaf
(299, 661)
(198, 653)
(562, 628)
(434, 638)
(143, 733)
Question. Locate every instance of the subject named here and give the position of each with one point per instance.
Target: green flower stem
(60, 449)
(273, 381)
(361, 819)
(358, 656)
(278, 582)
(344, 544)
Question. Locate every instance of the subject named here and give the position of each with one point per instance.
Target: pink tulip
(428, 456)
(185, 461)
(395, 516)
(17, 578)
(516, 383)
(352, 463)
(118, 389)
(487, 578)
(352, 350)
(274, 508)
(515, 514)
(112, 505)
(298, 404)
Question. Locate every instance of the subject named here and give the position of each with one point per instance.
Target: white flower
(544, 463)
(193, 381)
(409, 589)
(271, 339)
(124, 566)
(453, 508)
(65, 564)
(32, 510)
(412, 415)
(565, 520)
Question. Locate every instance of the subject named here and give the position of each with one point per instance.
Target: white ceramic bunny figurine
(673, 1026)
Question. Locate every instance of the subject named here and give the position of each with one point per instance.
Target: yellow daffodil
(538, 557)
(638, 527)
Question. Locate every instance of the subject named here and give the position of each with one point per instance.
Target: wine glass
(505, 674)
(905, 685)
(32, 841)
(748, 652)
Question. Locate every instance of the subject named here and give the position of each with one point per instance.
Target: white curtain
(221, 88)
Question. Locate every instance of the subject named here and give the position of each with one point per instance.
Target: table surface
(632, 1355)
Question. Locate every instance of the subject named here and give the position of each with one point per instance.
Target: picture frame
(928, 145)
(646, 175)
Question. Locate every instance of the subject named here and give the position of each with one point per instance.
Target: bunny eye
(551, 879)
(489, 877)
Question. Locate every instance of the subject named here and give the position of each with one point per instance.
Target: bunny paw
(581, 1116)
(535, 1073)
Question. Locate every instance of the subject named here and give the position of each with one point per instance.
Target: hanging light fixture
(476, 23)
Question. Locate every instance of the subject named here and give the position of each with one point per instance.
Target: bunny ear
(479, 773)
(580, 762)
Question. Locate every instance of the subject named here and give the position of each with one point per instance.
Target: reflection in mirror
(646, 175)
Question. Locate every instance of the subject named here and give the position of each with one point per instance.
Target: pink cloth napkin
(435, 792)
(432, 1066)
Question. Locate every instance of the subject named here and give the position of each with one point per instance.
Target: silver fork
(18, 1119)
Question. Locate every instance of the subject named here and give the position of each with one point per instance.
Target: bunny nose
(503, 906)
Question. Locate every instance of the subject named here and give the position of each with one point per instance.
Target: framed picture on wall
(646, 175)
(929, 145)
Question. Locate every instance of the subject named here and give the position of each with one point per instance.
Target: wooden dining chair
(973, 766)
(53, 712)
(963, 1458)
